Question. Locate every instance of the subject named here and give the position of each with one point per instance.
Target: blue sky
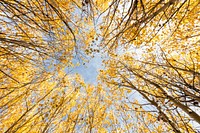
(89, 71)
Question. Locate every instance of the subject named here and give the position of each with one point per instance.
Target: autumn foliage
(150, 81)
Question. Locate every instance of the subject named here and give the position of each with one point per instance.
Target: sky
(89, 71)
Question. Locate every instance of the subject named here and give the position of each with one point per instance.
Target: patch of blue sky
(89, 70)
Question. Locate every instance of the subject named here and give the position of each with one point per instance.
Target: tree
(166, 74)
(150, 82)
(170, 90)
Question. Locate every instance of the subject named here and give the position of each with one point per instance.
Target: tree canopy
(149, 82)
